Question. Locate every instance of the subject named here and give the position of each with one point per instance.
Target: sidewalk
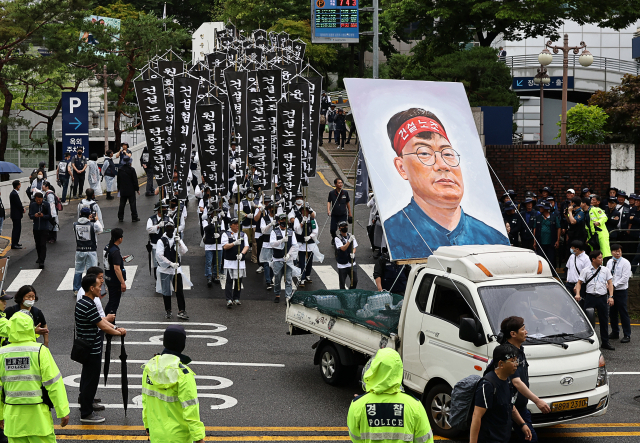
(344, 160)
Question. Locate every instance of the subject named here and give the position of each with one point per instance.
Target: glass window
(449, 304)
(548, 310)
(423, 293)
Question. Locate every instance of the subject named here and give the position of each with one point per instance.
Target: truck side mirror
(469, 332)
(591, 315)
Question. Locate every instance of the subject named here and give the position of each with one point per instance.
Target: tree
(622, 105)
(20, 20)
(585, 125)
(250, 15)
(188, 14)
(446, 24)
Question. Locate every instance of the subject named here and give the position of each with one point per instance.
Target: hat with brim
(621, 193)
(544, 205)
(529, 200)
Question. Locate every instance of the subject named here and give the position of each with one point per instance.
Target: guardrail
(600, 63)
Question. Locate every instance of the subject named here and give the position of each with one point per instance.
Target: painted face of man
(440, 184)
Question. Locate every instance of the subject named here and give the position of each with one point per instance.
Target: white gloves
(239, 257)
(353, 255)
(161, 224)
(215, 219)
(176, 237)
(216, 235)
(287, 257)
(304, 219)
(273, 222)
(313, 236)
(174, 265)
(238, 242)
(351, 239)
(307, 238)
(261, 206)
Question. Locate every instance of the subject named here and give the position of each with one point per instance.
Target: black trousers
(16, 230)
(41, 238)
(115, 293)
(78, 184)
(132, 205)
(335, 219)
(343, 273)
(179, 290)
(340, 137)
(620, 307)
(600, 305)
(305, 263)
(89, 379)
(231, 289)
(321, 134)
(527, 244)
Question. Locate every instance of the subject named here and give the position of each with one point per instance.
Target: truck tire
(437, 403)
(331, 368)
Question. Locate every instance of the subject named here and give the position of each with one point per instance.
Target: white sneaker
(260, 270)
(237, 302)
(65, 204)
(229, 304)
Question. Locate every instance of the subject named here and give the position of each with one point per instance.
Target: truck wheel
(437, 403)
(331, 368)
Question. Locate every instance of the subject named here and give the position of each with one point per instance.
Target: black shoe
(121, 220)
(19, 244)
(625, 339)
(98, 407)
(209, 283)
(135, 220)
(269, 286)
(16, 247)
(347, 143)
(614, 336)
(41, 265)
(277, 299)
(608, 346)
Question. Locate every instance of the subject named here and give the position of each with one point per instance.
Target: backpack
(463, 401)
(58, 203)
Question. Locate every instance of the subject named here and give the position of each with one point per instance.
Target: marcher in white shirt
(235, 246)
(621, 271)
(599, 282)
(346, 245)
(578, 261)
(285, 249)
(306, 233)
(267, 222)
(168, 266)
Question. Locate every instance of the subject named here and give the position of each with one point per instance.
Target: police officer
(346, 245)
(306, 233)
(115, 274)
(529, 214)
(596, 227)
(385, 413)
(515, 223)
(285, 247)
(85, 230)
(170, 408)
(31, 383)
(213, 229)
(155, 229)
(235, 246)
(625, 212)
(169, 249)
(390, 276)
(613, 217)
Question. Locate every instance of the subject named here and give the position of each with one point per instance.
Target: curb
(334, 165)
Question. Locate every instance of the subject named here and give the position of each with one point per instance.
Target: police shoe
(608, 346)
(98, 407)
(614, 336)
(93, 418)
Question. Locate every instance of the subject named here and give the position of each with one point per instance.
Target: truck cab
(450, 321)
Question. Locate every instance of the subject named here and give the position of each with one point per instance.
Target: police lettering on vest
(85, 236)
(21, 381)
(385, 414)
(279, 253)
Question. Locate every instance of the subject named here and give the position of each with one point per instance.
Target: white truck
(449, 321)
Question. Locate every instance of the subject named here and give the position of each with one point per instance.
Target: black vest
(110, 170)
(344, 257)
(109, 273)
(169, 252)
(232, 253)
(85, 237)
(63, 171)
(153, 238)
(246, 207)
(392, 272)
(209, 233)
(300, 237)
(279, 253)
(267, 220)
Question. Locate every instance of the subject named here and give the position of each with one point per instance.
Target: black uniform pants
(78, 184)
(115, 293)
(41, 238)
(231, 289)
(600, 305)
(89, 379)
(16, 230)
(343, 273)
(620, 307)
(179, 290)
(132, 204)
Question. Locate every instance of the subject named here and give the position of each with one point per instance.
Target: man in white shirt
(169, 250)
(285, 248)
(621, 271)
(235, 246)
(346, 245)
(599, 283)
(578, 261)
(99, 273)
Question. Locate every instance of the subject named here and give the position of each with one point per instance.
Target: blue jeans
(209, 263)
(65, 186)
(84, 260)
(278, 270)
(267, 273)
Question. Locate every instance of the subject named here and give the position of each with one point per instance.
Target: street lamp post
(94, 82)
(542, 79)
(545, 58)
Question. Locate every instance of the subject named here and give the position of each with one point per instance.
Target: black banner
(283, 37)
(186, 91)
(209, 124)
(290, 147)
(260, 38)
(361, 194)
(236, 82)
(298, 49)
(315, 85)
(270, 84)
(299, 92)
(289, 70)
(152, 112)
(169, 70)
(254, 57)
(259, 139)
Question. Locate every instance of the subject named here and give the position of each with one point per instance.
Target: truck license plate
(560, 406)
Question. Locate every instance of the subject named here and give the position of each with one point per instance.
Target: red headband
(413, 127)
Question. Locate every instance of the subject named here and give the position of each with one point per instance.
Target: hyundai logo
(566, 381)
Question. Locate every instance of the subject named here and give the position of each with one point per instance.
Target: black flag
(168, 70)
(152, 111)
(237, 93)
(362, 182)
(209, 123)
(259, 144)
(290, 147)
(270, 84)
(315, 85)
(186, 92)
(299, 92)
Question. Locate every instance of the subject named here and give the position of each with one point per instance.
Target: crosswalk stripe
(131, 273)
(328, 275)
(67, 282)
(368, 269)
(24, 277)
(186, 271)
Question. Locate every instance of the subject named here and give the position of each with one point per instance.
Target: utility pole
(375, 39)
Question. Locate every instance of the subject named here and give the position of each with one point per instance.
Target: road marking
(131, 273)
(213, 363)
(328, 276)
(156, 340)
(591, 434)
(212, 428)
(368, 269)
(186, 271)
(67, 282)
(596, 425)
(227, 402)
(624, 373)
(219, 327)
(73, 381)
(24, 277)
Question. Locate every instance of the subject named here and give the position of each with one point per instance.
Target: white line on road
(219, 328)
(328, 275)
(73, 381)
(186, 271)
(624, 373)
(368, 269)
(213, 363)
(156, 340)
(131, 273)
(24, 277)
(228, 402)
(67, 282)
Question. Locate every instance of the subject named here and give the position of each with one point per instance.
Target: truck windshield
(547, 309)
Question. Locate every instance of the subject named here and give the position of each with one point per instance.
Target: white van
(449, 321)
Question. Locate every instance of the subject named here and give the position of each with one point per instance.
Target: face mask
(40, 176)
(283, 224)
(299, 202)
(344, 230)
(169, 231)
(615, 259)
(573, 251)
(29, 303)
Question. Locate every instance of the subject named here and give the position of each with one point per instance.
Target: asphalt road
(255, 382)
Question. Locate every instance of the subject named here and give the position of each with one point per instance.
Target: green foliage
(622, 105)
(250, 15)
(585, 125)
(119, 9)
(189, 14)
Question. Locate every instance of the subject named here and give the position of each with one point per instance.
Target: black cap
(551, 198)
(233, 221)
(511, 192)
(281, 216)
(545, 189)
(175, 338)
(613, 199)
(613, 188)
(343, 223)
(5, 296)
(529, 200)
(585, 190)
(621, 193)
(544, 205)
(67, 153)
(509, 206)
